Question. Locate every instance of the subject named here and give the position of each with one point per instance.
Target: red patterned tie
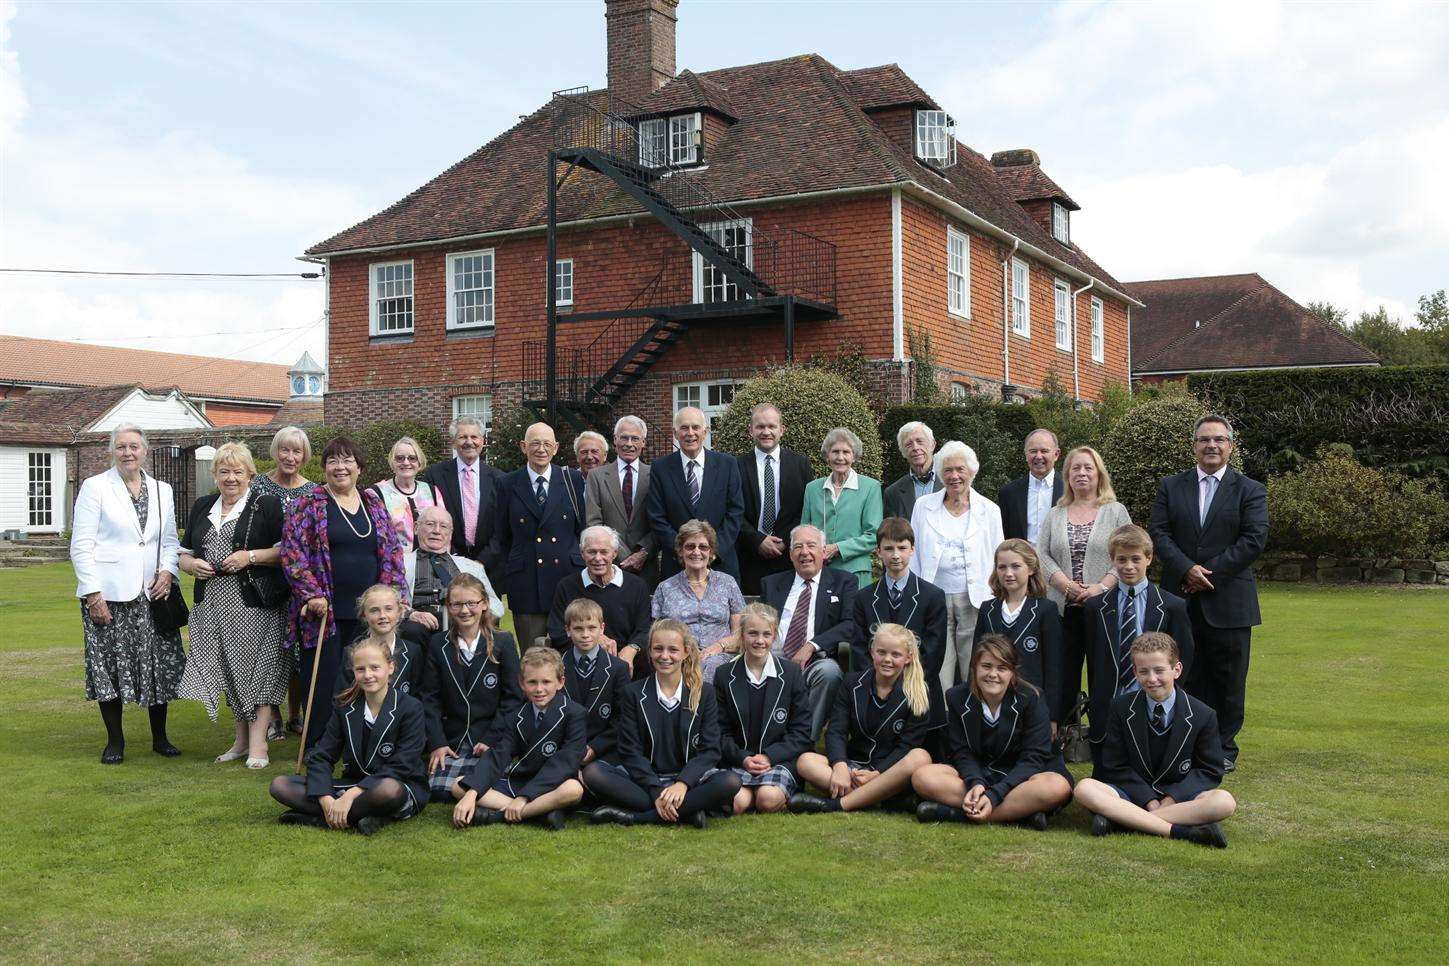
(629, 490)
(799, 620)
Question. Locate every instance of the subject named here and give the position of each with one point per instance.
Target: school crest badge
(694, 742)
(1029, 645)
(549, 747)
(386, 750)
(490, 680)
(780, 715)
(605, 711)
(899, 726)
(1184, 766)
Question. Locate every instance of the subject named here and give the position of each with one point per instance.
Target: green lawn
(1340, 850)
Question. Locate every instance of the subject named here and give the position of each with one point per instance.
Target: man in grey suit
(614, 496)
(917, 444)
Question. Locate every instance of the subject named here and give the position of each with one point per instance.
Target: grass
(1340, 850)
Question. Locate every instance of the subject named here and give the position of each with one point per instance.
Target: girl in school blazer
(876, 730)
(377, 734)
(764, 715)
(381, 609)
(1022, 614)
(469, 686)
(668, 743)
(1002, 764)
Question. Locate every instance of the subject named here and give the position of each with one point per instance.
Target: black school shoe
(1036, 821)
(936, 812)
(302, 818)
(1102, 825)
(486, 816)
(607, 814)
(372, 824)
(554, 821)
(166, 749)
(696, 820)
(113, 754)
(803, 803)
(1210, 835)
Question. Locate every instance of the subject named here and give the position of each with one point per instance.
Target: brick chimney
(641, 46)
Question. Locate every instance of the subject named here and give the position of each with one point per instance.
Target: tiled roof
(47, 362)
(689, 92)
(56, 416)
(1028, 182)
(802, 127)
(1231, 322)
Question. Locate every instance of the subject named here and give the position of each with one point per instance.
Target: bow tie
(923, 480)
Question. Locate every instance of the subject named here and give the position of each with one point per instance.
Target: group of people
(687, 631)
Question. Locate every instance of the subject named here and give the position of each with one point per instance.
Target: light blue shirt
(898, 586)
(1038, 502)
(926, 488)
(1167, 707)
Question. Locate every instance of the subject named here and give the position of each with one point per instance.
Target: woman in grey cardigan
(1073, 551)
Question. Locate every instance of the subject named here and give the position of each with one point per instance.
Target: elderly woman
(623, 597)
(291, 449)
(846, 507)
(708, 601)
(1074, 557)
(590, 451)
(957, 531)
(238, 626)
(123, 546)
(336, 542)
(404, 494)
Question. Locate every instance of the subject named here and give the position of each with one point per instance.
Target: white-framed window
(1021, 297)
(1099, 334)
(1063, 314)
(683, 139)
(711, 398)
(959, 391)
(563, 282)
(1061, 223)
(935, 137)
(390, 298)
(480, 407)
(470, 290)
(958, 273)
(710, 284)
(654, 142)
(40, 489)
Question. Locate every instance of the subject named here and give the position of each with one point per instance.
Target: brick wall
(239, 414)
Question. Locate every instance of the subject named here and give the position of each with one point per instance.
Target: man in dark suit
(815, 607)
(917, 444)
(466, 482)
(773, 479)
(616, 496)
(1209, 524)
(1025, 500)
(693, 483)
(540, 516)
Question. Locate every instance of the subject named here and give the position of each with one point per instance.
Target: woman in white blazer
(124, 549)
(957, 532)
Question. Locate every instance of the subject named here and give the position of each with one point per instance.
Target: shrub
(975, 420)
(811, 402)
(1337, 506)
(377, 438)
(1152, 441)
(505, 437)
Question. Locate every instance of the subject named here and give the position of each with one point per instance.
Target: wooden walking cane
(312, 691)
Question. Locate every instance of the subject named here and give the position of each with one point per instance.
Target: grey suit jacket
(604, 504)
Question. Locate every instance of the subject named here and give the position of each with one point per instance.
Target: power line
(199, 335)
(79, 271)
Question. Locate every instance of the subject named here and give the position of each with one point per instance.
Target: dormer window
(670, 141)
(1061, 223)
(936, 138)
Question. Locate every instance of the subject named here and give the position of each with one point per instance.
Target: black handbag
(168, 614)
(268, 584)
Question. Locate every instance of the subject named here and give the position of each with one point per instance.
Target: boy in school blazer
(468, 703)
(596, 680)
(1162, 757)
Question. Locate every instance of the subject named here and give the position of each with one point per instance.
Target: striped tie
(586, 666)
(1126, 632)
(692, 481)
(1159, 719)
(768, 512)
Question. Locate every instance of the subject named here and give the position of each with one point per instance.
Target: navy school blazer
(1164, 612)
(408, 658)
(394, 750)
(470, 703)
(785, 735)
(923, 612)
(847, 740)
(1036, 635)
(643, 715)
(602, 695)
(1192, 762)
(1028, 749)
(536, 757)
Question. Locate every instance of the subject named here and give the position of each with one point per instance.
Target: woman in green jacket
(845, 506)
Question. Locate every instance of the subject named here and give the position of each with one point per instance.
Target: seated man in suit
(917, 444)
(774, 480)
(467, 485)
(693, 483)
(431, 568)
(540, 515)
(816, 605)
(616, 496)
(1025, 500)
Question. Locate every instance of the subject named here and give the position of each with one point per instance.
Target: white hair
(914, 426)
(841, 434)
(436, 510)
(643, 426)
(952, 450)
(599, 529)
(129, 428)
(806, 526)
(681, 409)
(460, 421)
(295, 436)
(590, 434)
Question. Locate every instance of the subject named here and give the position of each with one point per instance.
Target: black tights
(116, 737)
(382, 799)
(715, 792)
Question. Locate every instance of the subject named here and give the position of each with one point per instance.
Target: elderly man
(693, 483)
(816, 606)
(616, 497)
(1025, 500)
(623, 597)
(917, 444)
(590, 451)
(773, 479)
(1208, 525)
(468, 485)
(432, 567)
(540, 515)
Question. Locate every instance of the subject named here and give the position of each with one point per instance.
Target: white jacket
(933, 524)
(107, 548)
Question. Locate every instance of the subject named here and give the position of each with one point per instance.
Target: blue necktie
(1159, 719)
(895, 595)
(586, 666)
(1126, 631)
(1210, 486)
(540, 492)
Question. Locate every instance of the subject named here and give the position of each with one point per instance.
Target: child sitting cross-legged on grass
(1162, 759)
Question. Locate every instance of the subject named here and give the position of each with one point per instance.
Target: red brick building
(704, 226)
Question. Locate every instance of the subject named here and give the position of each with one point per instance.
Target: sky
(1302, 141)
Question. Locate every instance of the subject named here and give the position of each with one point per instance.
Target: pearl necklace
(347, 517)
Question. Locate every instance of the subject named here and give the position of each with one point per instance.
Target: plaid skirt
(440, 782)
(778, 776)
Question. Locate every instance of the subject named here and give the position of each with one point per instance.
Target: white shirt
(635, 464)
(670, 701)
(533, 479)
(760, 456)
(787, 613)
(1008, 614)
(617, 579)
(1202, 507)
(463, 483)
(852, 482)
(988, 715)
(769, 671)
(215, 514)
(698, 462)
(468, 648)
(1038, 502)
(367, 714)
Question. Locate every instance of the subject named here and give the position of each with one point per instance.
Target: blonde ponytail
(913, 678)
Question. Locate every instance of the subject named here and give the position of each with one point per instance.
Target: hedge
(1151, 442)
(811, 402)
(1394, 418)
(995, 431)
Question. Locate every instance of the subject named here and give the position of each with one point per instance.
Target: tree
(811, 402)
(1433, 313)
(1331, 314)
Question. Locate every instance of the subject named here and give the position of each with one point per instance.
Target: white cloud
(13, 105)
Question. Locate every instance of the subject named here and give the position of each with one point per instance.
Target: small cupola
(1020, 173)
(306, 379)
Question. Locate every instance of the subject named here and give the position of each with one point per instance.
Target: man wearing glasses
(432, 567)
(1208, 525)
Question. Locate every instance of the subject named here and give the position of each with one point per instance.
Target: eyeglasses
(621, 438)
(465, 605)
(1220, 440)
(341, 461)
(400, 458)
